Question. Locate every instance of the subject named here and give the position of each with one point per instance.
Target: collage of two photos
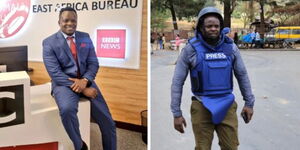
(224, 75)
(73, 74)
(149, 74)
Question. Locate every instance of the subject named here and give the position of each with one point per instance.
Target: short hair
(67, 9)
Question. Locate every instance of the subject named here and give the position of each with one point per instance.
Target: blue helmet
(209, 10)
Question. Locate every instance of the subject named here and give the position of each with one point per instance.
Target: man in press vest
(70, 59)
(211, 58)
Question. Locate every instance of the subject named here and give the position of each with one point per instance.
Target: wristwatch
(86, 79)
(88, 82)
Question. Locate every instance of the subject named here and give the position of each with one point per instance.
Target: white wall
(40, 25)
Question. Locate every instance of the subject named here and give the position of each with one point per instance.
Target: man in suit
(71, 62)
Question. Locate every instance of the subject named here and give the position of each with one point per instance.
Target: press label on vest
(215, 56)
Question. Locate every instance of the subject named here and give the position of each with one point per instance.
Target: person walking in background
(226, 31)
(257, 40)
(160, 41)
(157, 41)
(177, 46)
(252, 35)
(152, 40)
(236, 38)
(177, 41)
(211, 57)
(163, 41)
(70, 59)
(240, 37)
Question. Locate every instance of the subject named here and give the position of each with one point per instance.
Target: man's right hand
(90, 92)
(178, 124)
(248, 112)
(78, 85)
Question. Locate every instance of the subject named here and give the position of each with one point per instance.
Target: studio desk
(29, 116)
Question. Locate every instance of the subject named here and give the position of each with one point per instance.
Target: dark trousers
(203, 128)
(67, 102)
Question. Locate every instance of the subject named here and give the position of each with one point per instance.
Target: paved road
(275, 81)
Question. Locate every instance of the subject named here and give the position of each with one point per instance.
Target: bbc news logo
(13, 15)
(11, 105)
(111, 43)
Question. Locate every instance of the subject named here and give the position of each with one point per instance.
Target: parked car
(283, 37)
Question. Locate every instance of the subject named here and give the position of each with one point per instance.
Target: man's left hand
(90, 92)
(78, 85)
(248, 112)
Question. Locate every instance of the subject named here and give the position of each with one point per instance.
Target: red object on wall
(44, 146)
(14, 14)
(111, 43)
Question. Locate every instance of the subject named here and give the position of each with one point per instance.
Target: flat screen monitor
(14, 58)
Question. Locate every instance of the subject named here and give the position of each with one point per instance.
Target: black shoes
(84, 146)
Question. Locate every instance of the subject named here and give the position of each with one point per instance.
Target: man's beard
(211, 40)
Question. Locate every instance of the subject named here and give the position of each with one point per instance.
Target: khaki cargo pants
(203, 128)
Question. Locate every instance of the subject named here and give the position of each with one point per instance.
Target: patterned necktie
(73, 47)
(74, 52)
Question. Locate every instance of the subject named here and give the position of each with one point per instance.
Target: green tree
(229, 6)
(243, 12)
(262, 4)
(287, 12)
(178, 8)
(261, 12)
(210, 3)
(158, 19)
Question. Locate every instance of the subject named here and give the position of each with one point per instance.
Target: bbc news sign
(111, 43)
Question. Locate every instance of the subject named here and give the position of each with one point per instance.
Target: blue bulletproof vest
(211, 78)
(212, 74)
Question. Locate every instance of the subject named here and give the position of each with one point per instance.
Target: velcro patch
(215, 56)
